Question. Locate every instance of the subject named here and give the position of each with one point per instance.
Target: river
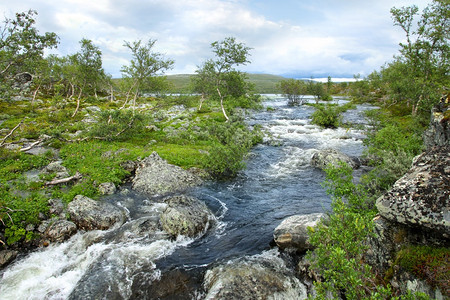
(121, 264)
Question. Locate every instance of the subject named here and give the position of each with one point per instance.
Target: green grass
(187, 138)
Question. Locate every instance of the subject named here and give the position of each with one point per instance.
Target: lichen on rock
(155, 177)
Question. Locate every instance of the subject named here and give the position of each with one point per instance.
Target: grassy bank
(98, 142)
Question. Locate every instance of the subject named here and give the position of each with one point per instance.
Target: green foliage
(429, 263)
(340, 241)
(145, 67)
(317, 90)
(21, 47)
(328, 116)
(97, 161)
(114, 125)
(391, 146)
(14, 163)
(217, 78)
(225, 158)
(294, 90)
(416, 78)
(17, 212)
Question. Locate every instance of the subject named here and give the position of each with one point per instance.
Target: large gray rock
(421, 198)
(257, 277)
(60, 230)
(107, 188)
(56, 167)
(154, 176)
(185, 215)
(322, 158)
(6, 257)
(293, 231)
(89, 214)
(438, 133)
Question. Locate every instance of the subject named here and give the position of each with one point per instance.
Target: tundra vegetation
(94, 124)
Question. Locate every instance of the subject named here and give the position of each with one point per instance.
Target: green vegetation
(416, 78)
(97, 136)
(262, 83)
(329, 115)
(405, 89)
(294, 90)
(217, 78)
(21, 48)
(144, 69)
(340, 242)
(427, 263)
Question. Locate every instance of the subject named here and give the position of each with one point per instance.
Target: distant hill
(264, 83)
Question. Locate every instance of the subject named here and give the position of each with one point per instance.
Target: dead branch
(6, 212)
(31, 146)
(64, 180)
(11, 132)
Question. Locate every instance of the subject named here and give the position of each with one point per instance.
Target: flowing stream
(125, 262)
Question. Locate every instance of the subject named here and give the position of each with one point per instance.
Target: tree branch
(11, 132)
(64, 180)
(31, 146)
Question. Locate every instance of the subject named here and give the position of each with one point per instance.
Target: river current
(278, 182)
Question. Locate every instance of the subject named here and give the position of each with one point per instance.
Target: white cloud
(318, 38)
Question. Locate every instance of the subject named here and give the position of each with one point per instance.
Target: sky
(292, 38)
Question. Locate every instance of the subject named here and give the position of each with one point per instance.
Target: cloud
(303, 38)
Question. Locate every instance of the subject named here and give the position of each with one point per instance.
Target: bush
(328, 116)
(233, 141)
(340, 241)
(116, 125)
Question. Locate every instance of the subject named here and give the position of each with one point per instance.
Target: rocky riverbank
(160, 181)
(414, 214)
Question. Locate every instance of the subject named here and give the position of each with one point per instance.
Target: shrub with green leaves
(340, 241)
(117, 124)
(391, 146)
(234, 140)
(327, 116)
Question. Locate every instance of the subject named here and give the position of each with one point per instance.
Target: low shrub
(328, 116)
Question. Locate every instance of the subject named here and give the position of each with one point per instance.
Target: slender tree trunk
(78, 103)
(201, 102)
(134, 100)
(72, 87)
(11, 132)
(221, 105)
(34, 94)
(128, 95)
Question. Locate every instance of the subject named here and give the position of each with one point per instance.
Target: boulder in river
(185, 215)
(156, 177)
(107, 188)
(293, 231)
(6, 257)
(89, 214)
(322, 158)
(258, 277)
(60, 231)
